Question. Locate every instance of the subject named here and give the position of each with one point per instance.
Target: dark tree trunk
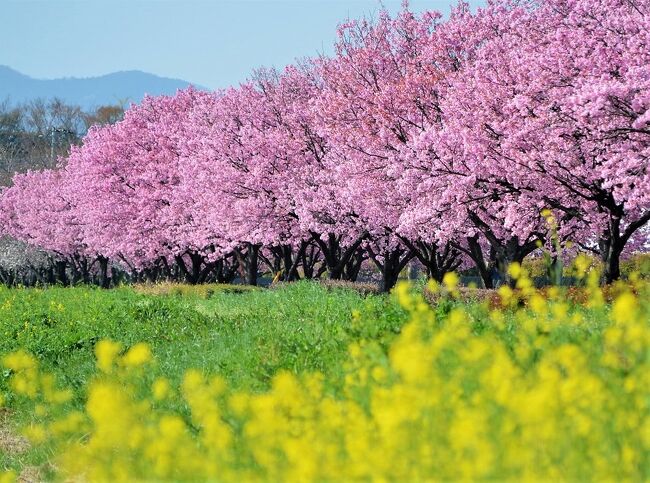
(205, 274)
(292, 262)
(612, 242)
(180, 263)
(507, 251)
(248, 263)
(46, 276)
(104, 281)
(225, 271)
(335, 256)
(310, 257)
(393, 263)
(61, 275)
(252, 263)
(475, 252)
(150, 275)
(353, 266)
(117, 276)
(274, 262)
(80, 269)
(194, 272)
(554, 271)
(612, 270)
(414, 271)
(437, 262)
(284, 263)
(197, 263)
(136, 276)
(611, 246)
(165, 268)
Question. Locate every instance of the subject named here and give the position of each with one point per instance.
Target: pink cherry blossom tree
(379, 95)
(553, 109)
(37, 210)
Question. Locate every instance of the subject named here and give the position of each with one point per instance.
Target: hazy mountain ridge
(89, 92)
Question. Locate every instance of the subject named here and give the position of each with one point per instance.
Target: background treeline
(34, 135)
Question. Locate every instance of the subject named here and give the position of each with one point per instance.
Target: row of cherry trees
(421, 138)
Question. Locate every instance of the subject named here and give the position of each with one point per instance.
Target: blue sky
(208, 42)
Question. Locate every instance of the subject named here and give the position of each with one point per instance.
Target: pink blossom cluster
(441, 140)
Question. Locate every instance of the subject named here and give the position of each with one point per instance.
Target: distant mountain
(87, 92)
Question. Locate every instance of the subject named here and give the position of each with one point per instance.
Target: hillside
(130, 86)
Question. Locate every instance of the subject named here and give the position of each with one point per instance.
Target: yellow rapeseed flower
(161, 389)
(106, 352)
(450, 280)
(624, 308)
(137, 355)
(541, 393)
(8, 476)
(514, 270)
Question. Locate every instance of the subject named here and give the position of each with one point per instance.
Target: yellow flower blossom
(137, 355)
(8, 476)
(106, 352)
(161, 389)
(450, 280)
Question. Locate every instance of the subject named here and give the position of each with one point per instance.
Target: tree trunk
(248, 263)
(197, 263)
(61, 276)
(554, 270)
(225, 272)
(252, 262)
(610, 251)
(508, 251)
(194, 273)
(393, 263)
(335, 257)
(437, 262)
(117, 276)
(475, 252)
(180, 262)
(414, 271)
(507, 254)
(291, 262)
(353, 266)
(104, 281)
(309, 259)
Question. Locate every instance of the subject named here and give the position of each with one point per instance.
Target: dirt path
(10, 442)
(14, 444)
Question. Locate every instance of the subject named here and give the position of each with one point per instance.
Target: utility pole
(52, 130)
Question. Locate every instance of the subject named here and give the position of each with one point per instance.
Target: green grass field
(246, 335)
(494, 366)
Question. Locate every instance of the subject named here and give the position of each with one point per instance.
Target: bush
(203, 291)
(638, 263)
(363, 288)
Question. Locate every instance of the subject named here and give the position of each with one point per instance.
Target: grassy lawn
(490, 361)
(246, 336)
